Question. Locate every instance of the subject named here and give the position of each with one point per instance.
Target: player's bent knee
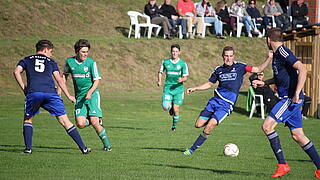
(166, 105)
(81, 125)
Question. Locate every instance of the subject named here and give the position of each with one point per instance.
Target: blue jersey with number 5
(39, 69)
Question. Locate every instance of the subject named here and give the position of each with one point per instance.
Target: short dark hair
(275, 34)
(175, 46)
(42, 44)
(227, 48)
(80, 44)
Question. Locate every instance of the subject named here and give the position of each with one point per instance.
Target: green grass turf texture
(144, 146)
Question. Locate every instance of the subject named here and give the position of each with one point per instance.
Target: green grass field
(144, 146)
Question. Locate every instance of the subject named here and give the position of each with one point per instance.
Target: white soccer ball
(231, 150)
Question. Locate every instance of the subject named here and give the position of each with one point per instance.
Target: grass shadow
(294, 160)
(164, 149)
(123, 30)
(216, 171)
(123, 127)
(19, 148)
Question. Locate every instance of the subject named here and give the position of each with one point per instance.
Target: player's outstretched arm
(64, 78)
(264, 64)
(301, 80)
(63, 86)
(17, 75)
(202, 87)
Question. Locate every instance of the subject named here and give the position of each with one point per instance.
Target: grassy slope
(127, 64)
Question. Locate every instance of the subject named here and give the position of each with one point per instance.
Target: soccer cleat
(28, 151)
(86, 151)
(282, 169)
(173, 129)
(187, 152)
(317, 173)
(107, 149)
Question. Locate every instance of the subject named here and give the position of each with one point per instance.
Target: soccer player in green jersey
(173, 90)
(86, 78)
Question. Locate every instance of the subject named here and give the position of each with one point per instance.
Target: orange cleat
(282, 169)
(317, 173)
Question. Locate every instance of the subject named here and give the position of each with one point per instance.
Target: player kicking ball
(230, 77)
(289, 75)
(86, 78)
(41, 92)
(173, 91)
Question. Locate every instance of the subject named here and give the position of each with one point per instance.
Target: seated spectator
(269, 96)
(284, 4)
(273, 9)
(170, 12)
(254, 13)
(186, 10)
(238, 9)
(299, 11)
(152, 10)
(204, 8)
(223, 13)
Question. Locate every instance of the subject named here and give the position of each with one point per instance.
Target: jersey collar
(174, 62)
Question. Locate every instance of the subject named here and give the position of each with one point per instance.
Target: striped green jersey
(83, 74)
(174, 70)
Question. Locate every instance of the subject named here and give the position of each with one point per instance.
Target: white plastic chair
(239, 24)
(256, 27)
(257, 100)
(134, 21)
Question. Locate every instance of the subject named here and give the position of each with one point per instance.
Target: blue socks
(76, 137)
(312, 153)
(276, 147)
(27, 135)
(200, 140)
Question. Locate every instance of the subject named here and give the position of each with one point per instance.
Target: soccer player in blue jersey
(40, 91)
(230, 77)
(289, 75)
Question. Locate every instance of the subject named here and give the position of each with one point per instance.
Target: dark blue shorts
(48, 101)
(287, 112)
(216, 108)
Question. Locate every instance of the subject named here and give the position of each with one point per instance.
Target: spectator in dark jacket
(299, 11)
(152, 10)
(254, 13)
(170, 12)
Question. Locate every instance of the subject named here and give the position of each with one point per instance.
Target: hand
(72, 99)
(296, 99)
(159, 83)
(259, 19)
(89, 94)
(173, 17)
(180, 79)
(190, 90)
(257, 83)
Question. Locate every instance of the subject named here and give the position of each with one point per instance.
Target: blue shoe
(86, 151)
(187, 152)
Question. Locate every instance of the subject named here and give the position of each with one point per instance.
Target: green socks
(175, 120)
(104, 138)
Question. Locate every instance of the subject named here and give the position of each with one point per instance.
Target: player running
(40, 91)
(230, 77)
(289, 75)
(86, 78)
(173, 90)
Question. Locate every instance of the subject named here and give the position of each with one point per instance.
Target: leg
(306, 145)
(73, 133)
(199, 22)
(183, 23)
(176, 117)
(27, 134)
(101, 132)
(218, 26)
(81, 122)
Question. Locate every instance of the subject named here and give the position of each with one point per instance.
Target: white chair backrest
(133, 17)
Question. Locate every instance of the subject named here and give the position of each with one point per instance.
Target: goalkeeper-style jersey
(83, 74)
(174, 70)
